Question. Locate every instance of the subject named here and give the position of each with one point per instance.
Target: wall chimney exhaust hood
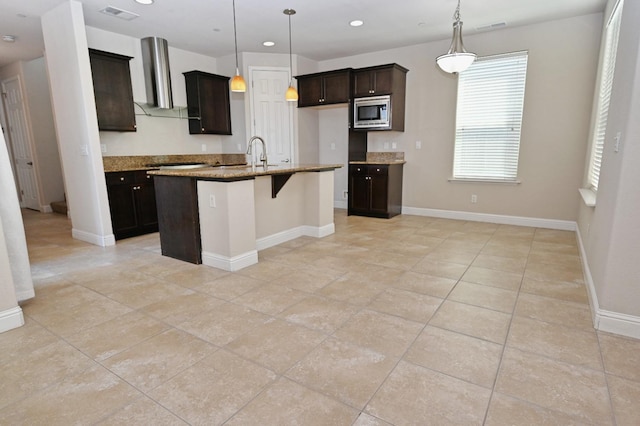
(155, 60)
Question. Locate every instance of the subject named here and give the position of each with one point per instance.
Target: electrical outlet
(474, 198)
(418, 144)
(204, 147)
(333, 147)
(394, 145)
(103, 148)
(84, 150)
(240, 147)
(385, 145)
(345, 194)
(212, 200)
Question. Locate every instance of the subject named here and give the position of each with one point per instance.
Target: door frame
(293, 139)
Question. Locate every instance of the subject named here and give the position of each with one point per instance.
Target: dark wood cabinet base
(375, 190)
(178, 218)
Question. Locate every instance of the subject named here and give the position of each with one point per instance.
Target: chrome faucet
(251, 151)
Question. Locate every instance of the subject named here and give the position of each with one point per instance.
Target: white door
(271, 115)
(20, 146)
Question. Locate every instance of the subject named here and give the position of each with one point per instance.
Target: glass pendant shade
(457, 59)
(237, 83)
(292, 94)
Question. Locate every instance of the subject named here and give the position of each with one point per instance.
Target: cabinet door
(122, 206)
(336, 88)
(378, 177)
(362, 83)
(359, 189)
(146, 204)
(112, 91)
(214, 106)
(383, 81)
(309, 91)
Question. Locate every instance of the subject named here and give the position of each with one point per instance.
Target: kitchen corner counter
(242, 172)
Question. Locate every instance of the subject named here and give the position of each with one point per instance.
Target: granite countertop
(382, 158)
(151, 162)
(382, 162)
(230, 173)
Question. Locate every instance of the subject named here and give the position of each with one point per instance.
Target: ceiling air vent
(491, 26)
(119, 13)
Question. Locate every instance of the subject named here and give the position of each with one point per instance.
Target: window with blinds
(604, 95)
(489, 118)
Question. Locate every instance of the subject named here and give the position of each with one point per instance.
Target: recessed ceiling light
(268, 43)
(9, 38)
(356, 23)
(144, 1)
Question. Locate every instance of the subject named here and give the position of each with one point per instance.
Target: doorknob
(30, 163)
(285, 161)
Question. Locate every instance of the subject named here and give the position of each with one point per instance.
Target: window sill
(588, 196)
(501, 181)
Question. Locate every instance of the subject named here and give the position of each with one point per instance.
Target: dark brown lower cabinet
(375, 190)
(132, 203)
(178, 218)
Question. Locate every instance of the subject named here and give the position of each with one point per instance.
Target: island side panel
(178, 218)
(227, 224)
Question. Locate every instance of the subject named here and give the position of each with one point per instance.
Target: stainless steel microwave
(372, 113)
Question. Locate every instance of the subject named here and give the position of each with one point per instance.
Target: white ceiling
(320, 28)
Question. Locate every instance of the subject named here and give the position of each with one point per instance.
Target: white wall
(72, 97)
(562, 67)
(38, 96)
(611, 231)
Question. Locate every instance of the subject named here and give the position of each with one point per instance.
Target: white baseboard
(11, 318)
(98, 240)
(565, 225)
(231, 264)
(603, 320)
(319, 231)
(293, 233)
(340, 204)
(278, 238)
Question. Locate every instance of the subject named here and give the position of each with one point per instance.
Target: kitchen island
(222, 216)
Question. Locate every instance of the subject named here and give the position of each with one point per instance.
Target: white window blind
(604, 96)
(489, 118)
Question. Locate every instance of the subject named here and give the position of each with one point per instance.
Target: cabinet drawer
(359, 169)
(120, 178)
(378, 170)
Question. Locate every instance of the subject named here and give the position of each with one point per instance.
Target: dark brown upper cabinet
(379, 80)
(208, 103)
(325, 88)
(112, 91)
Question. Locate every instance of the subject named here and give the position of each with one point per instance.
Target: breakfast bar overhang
(222, 216)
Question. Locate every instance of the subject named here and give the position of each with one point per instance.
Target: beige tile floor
(408, 321)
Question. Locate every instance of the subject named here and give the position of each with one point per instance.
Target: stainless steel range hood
(155, 60)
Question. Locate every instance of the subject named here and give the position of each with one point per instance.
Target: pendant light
(292, 93)
(237, 82)
(457, 59)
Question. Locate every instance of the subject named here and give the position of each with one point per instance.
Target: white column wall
(76, 122)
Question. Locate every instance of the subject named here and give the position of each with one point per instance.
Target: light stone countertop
(231, 173)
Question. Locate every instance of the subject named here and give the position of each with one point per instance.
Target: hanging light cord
(235, 36)
(456, 14)
(290, 54)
